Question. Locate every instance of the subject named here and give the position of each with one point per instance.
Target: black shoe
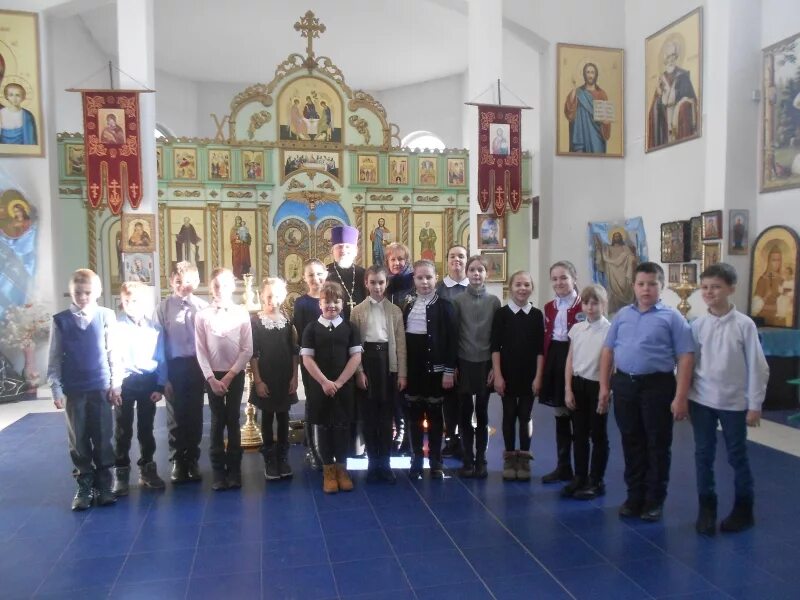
(193, 472)
(271, 472)
(284, 469)
(559, 474)
(386, 475)
(630, 508)
(568, 491)
(437, 472)
(481, 472)
(104, 497)
(415, 472)
(312, 461)
(467, 471)
(104, 482)
(83, 495)
(741, 517)
(178, 474)
(219, 481)
(373, 475)
(706, 523)
(452, 448)
(590, 492)
(121, 481)
(652, 512)
(148, 477)
(234, 479)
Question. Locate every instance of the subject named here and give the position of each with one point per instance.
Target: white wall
(429, 106)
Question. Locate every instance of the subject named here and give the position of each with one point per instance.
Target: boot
(568, 491)
(415, 472)
(83, 495)
(385, 472)
(524, 459)
(707, 515)
(284, 470)
(343, 478)
(193, 471)
(590, 491)
(481, 472)
(329, 483)
(741, 516)
(121, 481)
(271, 471)
(510, 462)
(148, 477)
(219, 482)
(563, 472)
(437, 469)
(104, 496)
(178, 474)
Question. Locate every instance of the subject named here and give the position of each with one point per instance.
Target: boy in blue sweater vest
(85, 375)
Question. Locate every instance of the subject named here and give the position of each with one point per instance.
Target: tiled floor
(426, 540)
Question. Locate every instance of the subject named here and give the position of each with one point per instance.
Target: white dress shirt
(587, 340)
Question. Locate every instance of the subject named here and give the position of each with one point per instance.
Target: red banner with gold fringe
(499, 158)
(111, 137)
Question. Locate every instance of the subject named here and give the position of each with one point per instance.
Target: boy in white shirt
(729, 384)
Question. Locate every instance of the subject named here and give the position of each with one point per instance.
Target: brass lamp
(684, 289)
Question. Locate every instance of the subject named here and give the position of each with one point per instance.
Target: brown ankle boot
(524, 465)
(329, 483)
(343, 478)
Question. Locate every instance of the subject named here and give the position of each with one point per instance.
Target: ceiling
(378, 44)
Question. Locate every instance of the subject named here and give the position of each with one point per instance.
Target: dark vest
(84, 357)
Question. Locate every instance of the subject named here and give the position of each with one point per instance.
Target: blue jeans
(734, 432)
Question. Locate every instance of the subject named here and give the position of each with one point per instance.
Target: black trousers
(225, 414)
(90, 427)
(517, 409)
(642, 411)
(136, 390)
(185, 409)
(588, 425)
(377, 403)
(474, 441)
(451, 411)
(333, 442)
(268, 434)
(419, 410)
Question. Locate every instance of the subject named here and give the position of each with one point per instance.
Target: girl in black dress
(274, 366)
(331, 352)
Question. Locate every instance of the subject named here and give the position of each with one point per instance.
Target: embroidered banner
(113, 166)
(499, 158)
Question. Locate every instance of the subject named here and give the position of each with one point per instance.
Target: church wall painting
(456, 172)
(138, 232)
(311, 161)
(20, 85)
(219, 165)
(712, 254)
(590, 117)
(138, 266)
(185, 163)
(712, 225)
(615, 248)
(497, 271)
(381, 229)
(780, 106)
(186, 238)
(238, 238)
(253, 165)
(310, 109)
(427, 241)
(398, 170)
(427, 170)
(674, 82)
(774, 278)
(738, 233)
(367, 173)
(696, 230)
(491, 232)
(74, 160)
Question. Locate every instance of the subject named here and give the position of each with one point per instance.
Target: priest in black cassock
(344, 244)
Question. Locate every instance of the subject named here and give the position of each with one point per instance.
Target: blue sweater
(84, 357)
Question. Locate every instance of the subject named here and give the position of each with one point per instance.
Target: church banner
(113, 165)
(499, 158)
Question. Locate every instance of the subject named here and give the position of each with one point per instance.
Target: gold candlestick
(684, 289)
(250, 432)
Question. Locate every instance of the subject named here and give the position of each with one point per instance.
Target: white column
(137, 66)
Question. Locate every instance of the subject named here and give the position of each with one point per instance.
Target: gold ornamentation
(91, 233)
(451, 199)
(361, 126)
(381, 198)
(406, 199)
(213, 193)
(427, 198)
(295, 184)
(359, 197)
(70, 191)
(162, 233)
(232, 194)
(257, 120)
(449, 226)
(404, 224)
(219, 136)
(327, 185)
(214, 209)
(263, 195)
(358, 211)
(160, 193)
(187, 193)
(263, 215)
(309, 27)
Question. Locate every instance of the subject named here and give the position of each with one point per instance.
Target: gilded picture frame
(239, 241)
(138, 232)
(590, 108)
(712, 253)
(738, 232)
(427, 241)
(311, 162)
(674, 273)
(456, 172)
(690, 269)
(497, 266)
(184, 163)
(398, 170)
(674, 82)
(310, 110)
(428, 170)
(253, 165)
(381, 229)
(20, 83)
(186, 239)
(675, 242)
(696, 233)
(774, 277)
(367, 169)
(712, 225)
(219, 165)
(138, 266)
(75, 160)
(491, 232)
(779, 152)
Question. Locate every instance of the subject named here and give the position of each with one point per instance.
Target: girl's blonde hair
(595, 292)
(276, 283)
(520, 273)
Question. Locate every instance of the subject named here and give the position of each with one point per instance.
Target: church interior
(262, 126)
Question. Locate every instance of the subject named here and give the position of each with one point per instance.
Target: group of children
(402, 359)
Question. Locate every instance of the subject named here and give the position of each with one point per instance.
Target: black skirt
(552, 393)
(421, 383)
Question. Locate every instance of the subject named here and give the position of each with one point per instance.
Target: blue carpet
(455, 538)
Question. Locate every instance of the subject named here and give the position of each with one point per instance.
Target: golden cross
(309, 27)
